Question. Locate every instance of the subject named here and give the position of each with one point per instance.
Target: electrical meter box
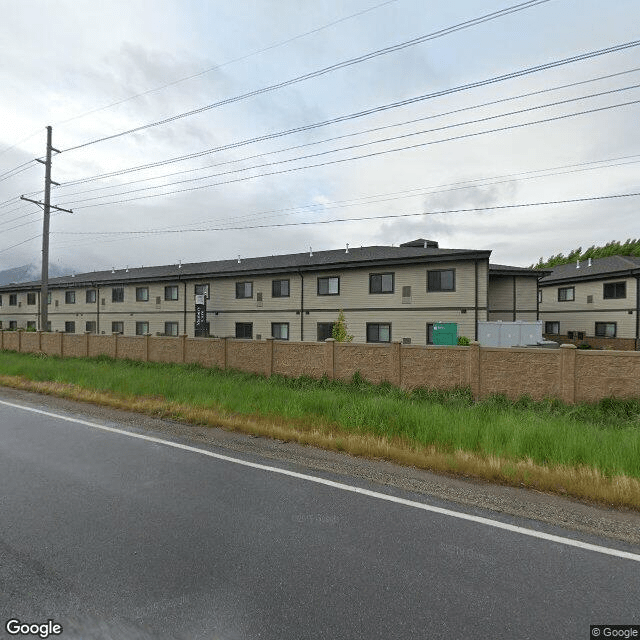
(445, 333)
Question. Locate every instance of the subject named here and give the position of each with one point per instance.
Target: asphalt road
(114, 536)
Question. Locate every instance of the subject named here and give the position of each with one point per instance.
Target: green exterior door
(445, 333)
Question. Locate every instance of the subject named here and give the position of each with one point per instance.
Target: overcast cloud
(65, 62)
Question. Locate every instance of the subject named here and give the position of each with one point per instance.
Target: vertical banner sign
(201, 328)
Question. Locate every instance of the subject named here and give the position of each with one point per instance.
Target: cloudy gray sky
(96, 70)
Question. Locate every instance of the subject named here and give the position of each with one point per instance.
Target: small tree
(339, 332)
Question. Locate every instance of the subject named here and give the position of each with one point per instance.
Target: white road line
(346, 487)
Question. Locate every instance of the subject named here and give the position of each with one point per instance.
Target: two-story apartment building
(386, 293)
(594, 302)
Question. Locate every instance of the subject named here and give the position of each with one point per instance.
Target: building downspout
(475, 263)
(514, 299)
(184, 304)
(637, 313)
(97, 310)
(301, 306)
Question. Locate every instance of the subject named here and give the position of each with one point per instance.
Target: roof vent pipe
(347, 251)
(127, 269)
(238, 259)
(589, 263)
(425, 244)
(311, 252)
(577, 264)
(113, 269)
(179, 264)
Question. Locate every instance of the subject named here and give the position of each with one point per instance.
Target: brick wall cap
(568, 346)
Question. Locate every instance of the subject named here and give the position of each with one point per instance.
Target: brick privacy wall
(296, 359)
(444, 368)
(209, 352)
(570, 374)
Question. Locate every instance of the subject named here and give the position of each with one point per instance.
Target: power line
(436, 94)
(431, 190)
(13, 246)
(371, 130)
(365, 218)
(224, 64)
(320, 72)
(16, 170)
(337, 161)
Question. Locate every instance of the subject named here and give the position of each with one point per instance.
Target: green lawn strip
(605, 436)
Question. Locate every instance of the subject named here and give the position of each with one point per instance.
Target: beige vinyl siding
(585, 289)
(626, 322)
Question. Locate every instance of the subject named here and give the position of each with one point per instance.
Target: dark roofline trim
(607, 275)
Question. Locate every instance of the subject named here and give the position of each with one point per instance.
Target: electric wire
(368, 218)
(365, 131)
(224, 64)
(436, 94)
(331, 162)
(320, 72)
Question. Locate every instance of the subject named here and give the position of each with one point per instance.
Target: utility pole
(46, 206)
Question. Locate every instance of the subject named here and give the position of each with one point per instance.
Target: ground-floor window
(117, 327)
(552, 328)
(69, 327)
(13, 324)
(31, 324)
(142, 328)
(606, 329)
(429, 332)
(244, 330)
(378, 332)
(170, 328)
(325, 330)
(90, 326)
(280, 330)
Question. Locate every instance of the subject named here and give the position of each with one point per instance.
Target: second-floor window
(244, 290)
(31, 298)
(13, 299)
(614, 290)
(117, 294)
(171, 292)
(381, 282)
(566, 294)
(441, 280)
(201, 290)
(142, 294)
(69, 297)
(91, 296)
(329, 286)
(279, 288)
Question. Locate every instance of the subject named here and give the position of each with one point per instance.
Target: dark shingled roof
(321, 260)
(506, 270)
(600, 268)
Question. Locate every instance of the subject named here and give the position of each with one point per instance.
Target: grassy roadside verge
(590, 452)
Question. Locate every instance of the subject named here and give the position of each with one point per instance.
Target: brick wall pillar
(330, 358)
(395, 370)
(61, 344)
(475, 374)
(1, 338)
(225, 342)
(20, 341)
(183, 347)
(39, 340)
(567, 373)
(115, 345)
(146, 347)
(86, 344)
(269, 363)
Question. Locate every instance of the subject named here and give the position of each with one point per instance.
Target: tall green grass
(605, 436)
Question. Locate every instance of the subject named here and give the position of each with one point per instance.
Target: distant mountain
(28, 273)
